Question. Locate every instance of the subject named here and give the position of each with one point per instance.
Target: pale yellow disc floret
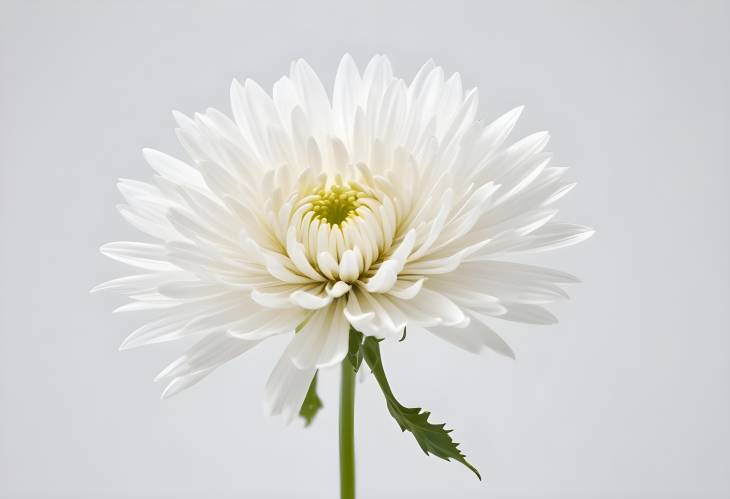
(337, 203)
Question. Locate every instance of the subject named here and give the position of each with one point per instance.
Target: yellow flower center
(337, 203)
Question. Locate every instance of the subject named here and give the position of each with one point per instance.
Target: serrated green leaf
(312, 403)
(432, 438)
(354, 352)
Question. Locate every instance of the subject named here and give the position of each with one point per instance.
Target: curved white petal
(202, 359)
(437, 306)
(322, 341)
(142, 255)
(473, 338)
(311, 299)
(286, 388)
(406, 290)
(337, 289)
(530, 314)
(387, 274)
(349, 269)
(266, 323)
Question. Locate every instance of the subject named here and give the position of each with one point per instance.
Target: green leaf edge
(355, 351)
(312, 403)
(434, 438)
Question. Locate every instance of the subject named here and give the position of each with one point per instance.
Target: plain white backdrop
(628, 397)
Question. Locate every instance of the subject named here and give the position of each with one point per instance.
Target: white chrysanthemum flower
(387, 206)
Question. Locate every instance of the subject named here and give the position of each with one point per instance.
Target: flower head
(383, 207)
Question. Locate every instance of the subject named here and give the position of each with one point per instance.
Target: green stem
(347, 431)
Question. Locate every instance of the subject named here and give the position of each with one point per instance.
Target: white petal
(133, 283)
(437, 225)
(554, 236)
(296, 253)
(322, 341)
(313, 95)
(327, 264)
(405, 290)
(277, 265)
(142, 255)
(286, 388)
(349, 269)
(172, 169)
(181, 383)
(346, 94)
(266, 323)
(202, 359)
(530, 314)
(337, 289)
(473, 338)
(359, 318)
(375, 314)
(311, 299)
(437, 306)
(387, 274)
(191, 290)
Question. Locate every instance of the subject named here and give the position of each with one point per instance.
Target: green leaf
(433, 438)
(354, 352)
(312, 403)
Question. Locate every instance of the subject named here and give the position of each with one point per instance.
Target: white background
(626, 398)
